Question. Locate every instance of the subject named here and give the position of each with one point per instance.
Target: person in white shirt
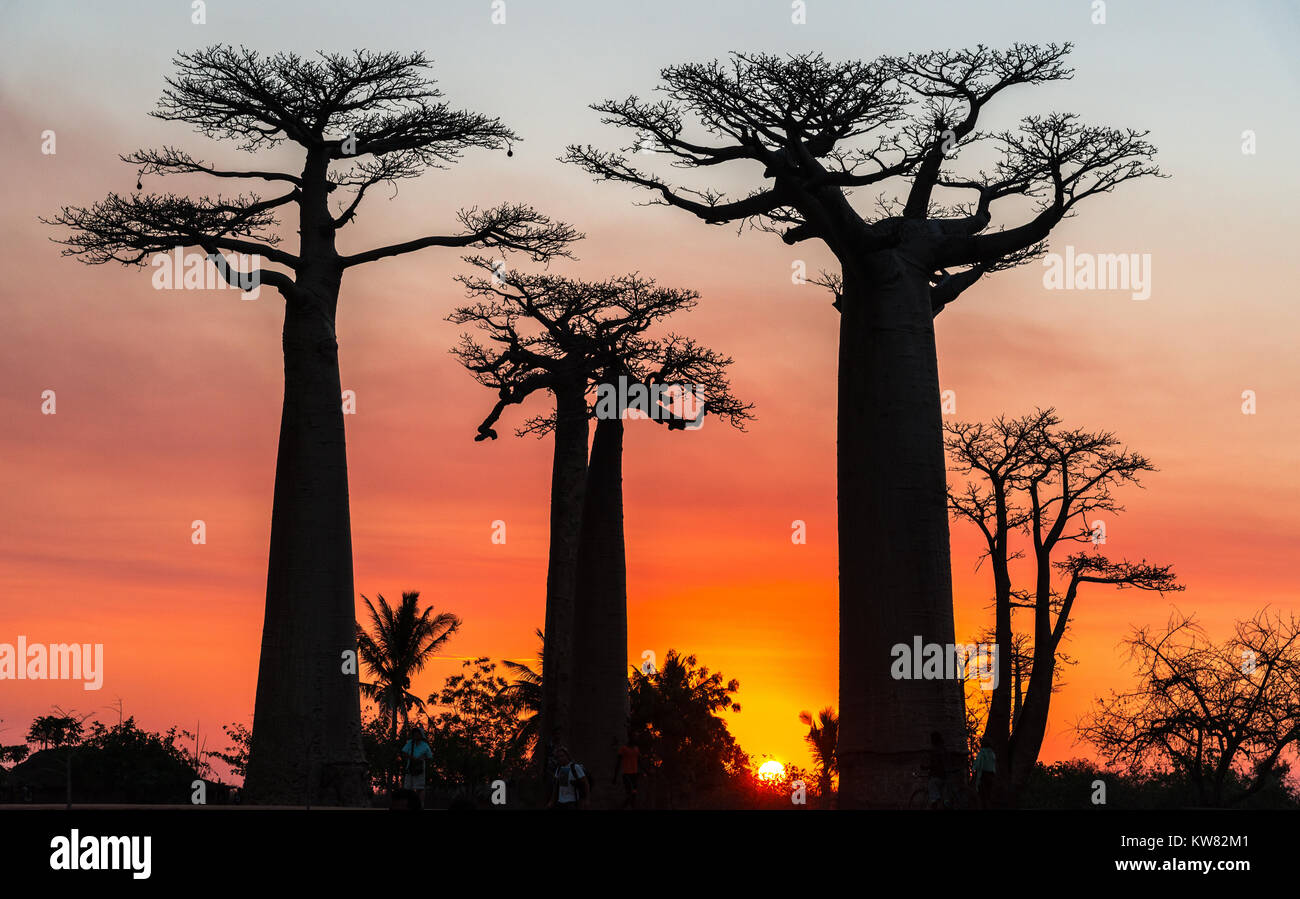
(570, 785)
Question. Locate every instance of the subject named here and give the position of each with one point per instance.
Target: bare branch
(174, 161)
(130, 229)
(509, 227)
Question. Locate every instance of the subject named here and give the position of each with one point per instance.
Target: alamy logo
(1099, 271)
(654, 401)
(53, 661)
(179, 270)
(89, 853)
(945, 661)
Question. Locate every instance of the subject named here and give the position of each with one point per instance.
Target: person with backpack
(570, 785)
(417, 753)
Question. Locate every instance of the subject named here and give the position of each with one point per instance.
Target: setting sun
(824, 381)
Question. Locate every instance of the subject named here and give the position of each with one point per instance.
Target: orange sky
(168, 408)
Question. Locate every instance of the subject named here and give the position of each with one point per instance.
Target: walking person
(628, 763)
(986, 771)
(570, 785)
(938, 771)
(417, 753)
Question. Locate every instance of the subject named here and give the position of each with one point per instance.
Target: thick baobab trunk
(997, 730)
(1031, 725)
(568, 486)
(895, 580)
(306, 745)
(600, 665)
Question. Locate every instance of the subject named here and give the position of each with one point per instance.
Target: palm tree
(402, 642)
(527, 689)
(821, 737)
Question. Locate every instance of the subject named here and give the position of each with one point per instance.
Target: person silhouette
(986, 770)
(417, 753)
(570, 785)
(627, 762)
(938, 771)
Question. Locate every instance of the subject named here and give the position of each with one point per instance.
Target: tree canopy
(361, 119)
(820, 128)
(539, 331)
(1225, 716)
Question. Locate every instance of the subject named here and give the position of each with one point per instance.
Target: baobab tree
(1021, 655)
(570, 337)
(696, 384)
(356, 120)
(817, 129)
(1226, 716)
(1031, 487)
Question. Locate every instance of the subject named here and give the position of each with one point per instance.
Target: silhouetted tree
(1029, 478)
(817, 129)
(357, 120)
(473, 735)
(1224, 716)
(600, 658)
(49, 731)
(12, 755)
(821, 738)
(122, 763)
(566, 336)
(1072, 784)
(526, 689)
(1022, 667)
(676, 707)
(236, 754)
(400, 645)
(384, 759)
